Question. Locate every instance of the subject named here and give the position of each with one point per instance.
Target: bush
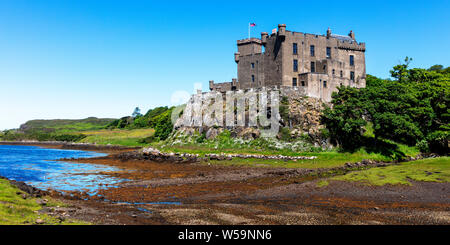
(201, 138)
(224, 138)
(149, 139)
(68, 137)
(285, 134)
(438, 142)
(423, 146)
(163, 126)
(141, 122)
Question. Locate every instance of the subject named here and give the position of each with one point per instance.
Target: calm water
(37, 167)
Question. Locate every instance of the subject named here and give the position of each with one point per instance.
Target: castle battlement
(248, 41)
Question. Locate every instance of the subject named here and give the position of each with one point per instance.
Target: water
(36, 166)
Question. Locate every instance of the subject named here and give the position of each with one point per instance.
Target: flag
(252, 24)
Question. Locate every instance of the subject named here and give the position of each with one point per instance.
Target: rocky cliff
(299, 120)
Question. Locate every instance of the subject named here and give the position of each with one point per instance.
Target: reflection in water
(36, 166)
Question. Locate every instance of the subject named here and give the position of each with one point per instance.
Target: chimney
(282, 29)
(352, 35)
(264, 37)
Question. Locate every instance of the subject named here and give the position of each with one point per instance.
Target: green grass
(14, 210)
(323, 160)
(122, 137)
(76, 127)
(434, 169)
(202, 149)
(66, 125)
(374, 149)
(322, 183)
(326, 159)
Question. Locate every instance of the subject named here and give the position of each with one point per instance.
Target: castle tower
(249, 46)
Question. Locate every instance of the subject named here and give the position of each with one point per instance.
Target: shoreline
(73, 146)
(196, 193)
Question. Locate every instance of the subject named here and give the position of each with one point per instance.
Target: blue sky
(74, 59)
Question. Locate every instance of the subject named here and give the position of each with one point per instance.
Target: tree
(400, 71)
(345, 120)
(389, 106)
(136, 113)
(436, 68)
(412, 109)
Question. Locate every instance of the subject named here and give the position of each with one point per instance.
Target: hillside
(65, 125)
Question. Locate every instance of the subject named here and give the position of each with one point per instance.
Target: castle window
(294, 48)
(253, 78)
(333, 71)
(328, 52)
(324, 84)
(303, 83)
(294, 82)
(253, 65)
(352, 76)
(352, 60)
(295, 65)
(313, 66)
(311, 49)
(342, 74)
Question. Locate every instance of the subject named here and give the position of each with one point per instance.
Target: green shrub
(68, 137)
(141, 122)
(438, 142)
(423, 146)
(163, 126)
(149, 139)
(285, 134)
(201, 138)
(284, 109)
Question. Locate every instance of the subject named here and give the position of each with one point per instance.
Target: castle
(313, 65)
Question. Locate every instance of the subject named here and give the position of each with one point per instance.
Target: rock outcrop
(298, 114)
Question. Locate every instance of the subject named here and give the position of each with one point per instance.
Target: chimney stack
(264, 37)
(282, 30)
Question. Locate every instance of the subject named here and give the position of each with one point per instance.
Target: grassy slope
(93, 128)
(14, 210)
(117, 136)
(434, 169)
(66, 125)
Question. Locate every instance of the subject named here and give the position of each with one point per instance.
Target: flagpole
(248, 30)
